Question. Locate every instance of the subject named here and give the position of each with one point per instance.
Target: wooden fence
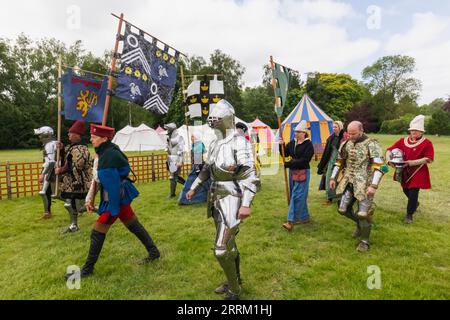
(22, 179)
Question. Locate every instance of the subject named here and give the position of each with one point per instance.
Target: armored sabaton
(49, 158)
(230, 165)
(363, 167)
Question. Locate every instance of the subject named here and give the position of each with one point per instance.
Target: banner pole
(58, 137)
(186, 122)
(277, 105)
(113, 69)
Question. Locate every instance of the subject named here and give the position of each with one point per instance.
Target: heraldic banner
(203, 95)
(148, 73)
(84, 97)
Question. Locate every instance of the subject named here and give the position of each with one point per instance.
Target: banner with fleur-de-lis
(148, 73)
(84, 97)
(202, 96)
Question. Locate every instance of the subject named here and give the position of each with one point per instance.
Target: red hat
(78, 127)
(102, 131)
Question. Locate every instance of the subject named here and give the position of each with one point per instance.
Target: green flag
(282, 74)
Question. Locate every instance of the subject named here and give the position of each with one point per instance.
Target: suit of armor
(175, 149)
(48, 168)
(230, 165)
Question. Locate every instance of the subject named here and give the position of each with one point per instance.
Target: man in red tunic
(418, 152)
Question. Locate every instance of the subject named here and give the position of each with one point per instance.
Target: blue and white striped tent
(320, 124)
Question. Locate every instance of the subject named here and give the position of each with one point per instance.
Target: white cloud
(426, 29)
(306, 35)
(428, 42)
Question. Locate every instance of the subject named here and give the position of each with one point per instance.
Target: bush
(439, 123)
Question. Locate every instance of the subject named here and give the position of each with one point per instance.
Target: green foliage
(435, 105)
(336, 94)
(397, 126)
(390, 76)
(440, 123)
(257, 102)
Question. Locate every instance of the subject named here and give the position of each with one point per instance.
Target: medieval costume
(329, 157)
(362, 165)
(175, 149)
(116, 194)
(231, 167)
(417, 154)
(47, 178)
(76, 171)
(197, 152)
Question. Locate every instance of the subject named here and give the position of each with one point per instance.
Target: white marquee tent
(142, 138)
(205, 132)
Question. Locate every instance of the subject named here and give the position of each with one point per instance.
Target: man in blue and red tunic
(117, 192)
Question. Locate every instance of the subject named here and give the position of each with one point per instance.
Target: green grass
(316, 261)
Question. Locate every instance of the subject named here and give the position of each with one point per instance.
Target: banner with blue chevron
(148, 73)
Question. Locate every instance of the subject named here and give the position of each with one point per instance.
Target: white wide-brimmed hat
(302, 127)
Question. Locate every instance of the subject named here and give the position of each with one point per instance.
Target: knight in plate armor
(175, 149)
(47, 177)
(234, 183)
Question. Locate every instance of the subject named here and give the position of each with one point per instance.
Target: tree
(440, 123)
(435, 105)
(335, 94)
(256, 102)
(446, 106)
(363, 112)
(390, 78)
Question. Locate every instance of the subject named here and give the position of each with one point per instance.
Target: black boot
(180, 180)
(97, 239)
(141, 233)
(173, 188)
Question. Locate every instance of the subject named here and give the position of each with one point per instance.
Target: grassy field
(316, 261)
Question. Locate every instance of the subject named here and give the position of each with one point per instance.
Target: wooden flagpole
(113, 69)
(58, 152)
(186, 122)
(278, 104)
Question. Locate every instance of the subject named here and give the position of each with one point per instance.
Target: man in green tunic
(361, 166)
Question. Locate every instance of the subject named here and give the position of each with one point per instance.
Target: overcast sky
(322, 35)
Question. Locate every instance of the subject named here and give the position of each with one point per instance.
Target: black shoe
(152, 257)
(408, 219)
(363, 246)
(71, 229)
(231, 296)
(85, 272)
(223, 288)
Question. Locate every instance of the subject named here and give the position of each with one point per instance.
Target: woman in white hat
(301, 151)
(418, 153)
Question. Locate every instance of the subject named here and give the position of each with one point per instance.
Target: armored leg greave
(46, 194)
(346, 201)
(70, 206)
(226, 253)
